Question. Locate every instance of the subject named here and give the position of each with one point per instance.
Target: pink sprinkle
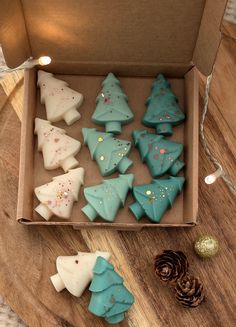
(162, 151)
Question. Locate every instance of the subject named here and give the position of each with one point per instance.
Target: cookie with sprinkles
(58, 149)
(61, 102)
(109, 152)
(152, 200)
(75, 272)
(57, 197)
(163, 110)
(112, 108)
(105, 199)
(161, 155)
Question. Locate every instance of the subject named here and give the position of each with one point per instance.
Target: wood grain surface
(27, 254)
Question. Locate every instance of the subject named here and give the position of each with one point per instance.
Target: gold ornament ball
(206, 246)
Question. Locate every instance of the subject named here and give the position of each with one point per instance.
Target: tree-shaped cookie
(112, 109)
(152, 200)
(163, 109)
(75, 272)
(58, 149)
(57, 197)
(105, 199)
(110, 298)
(109, 152)
(61, 102)
(160, 154)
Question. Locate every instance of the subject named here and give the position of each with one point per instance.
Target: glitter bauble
(206, 246)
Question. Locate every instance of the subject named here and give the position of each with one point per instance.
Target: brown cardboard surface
(118, 68)
(93, 33)
(114, 31)
(13, 34)
(137, 88)
(191, 145)
(209, 35)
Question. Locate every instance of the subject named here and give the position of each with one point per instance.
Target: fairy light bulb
(45, 60)
(29, 63)
(210, 179)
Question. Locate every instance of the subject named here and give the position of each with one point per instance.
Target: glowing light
(210, 179)
(45, 60)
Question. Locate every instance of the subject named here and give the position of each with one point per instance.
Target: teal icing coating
(152, 200)
(110, 298)
(163, 110)
(109, 152)
(112, 109)
(105, 199)
(160, 154)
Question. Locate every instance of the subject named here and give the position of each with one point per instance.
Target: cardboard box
(134, 40)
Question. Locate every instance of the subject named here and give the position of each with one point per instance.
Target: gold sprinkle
(148, 192)
(60, 195)
(151, 200)
(100, 139)
(102, 158)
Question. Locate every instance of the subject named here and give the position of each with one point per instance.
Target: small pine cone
(189, 291)
(170, 266)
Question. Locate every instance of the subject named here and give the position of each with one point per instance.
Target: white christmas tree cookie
(58, 148)
(61, 102)
(76, 272)
(57, 197)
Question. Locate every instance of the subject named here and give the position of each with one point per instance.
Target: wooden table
(27, 254)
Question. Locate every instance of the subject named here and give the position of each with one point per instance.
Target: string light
(29, 63)
(220, 171)
(210, 179)
(45, 60)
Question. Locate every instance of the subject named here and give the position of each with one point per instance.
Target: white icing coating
(58, 148)
(61, 102)
(58, 196)
(75, 272)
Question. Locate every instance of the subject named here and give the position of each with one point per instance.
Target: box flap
(153, 32)
(13, 35)
(209, 36)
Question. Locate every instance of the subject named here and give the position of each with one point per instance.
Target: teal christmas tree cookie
(163, 109)
(112, 109)
(109, 152)
(105, 199)
(152, 200)
(160, 154)
(110, 298)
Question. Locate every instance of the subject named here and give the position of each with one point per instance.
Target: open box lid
(145, 35)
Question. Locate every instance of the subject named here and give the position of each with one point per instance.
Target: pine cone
(170, 266)
(189, 291)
